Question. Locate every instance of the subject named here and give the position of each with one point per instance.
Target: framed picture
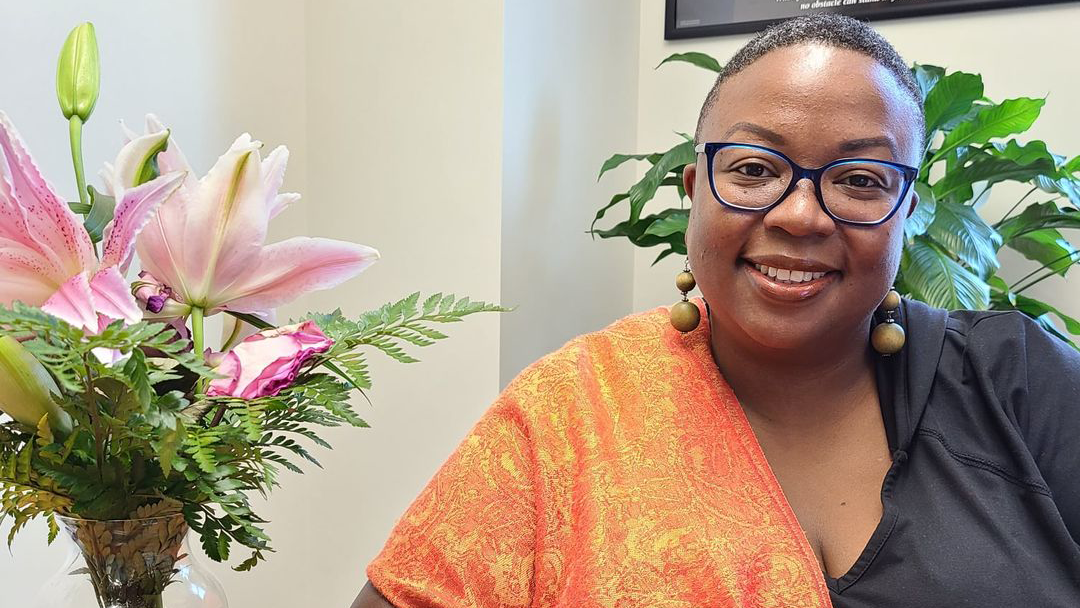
(698, 18)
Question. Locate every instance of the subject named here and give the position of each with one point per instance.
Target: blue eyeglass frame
(709, 149)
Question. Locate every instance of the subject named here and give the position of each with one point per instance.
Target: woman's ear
(689, 177)
(914, 201)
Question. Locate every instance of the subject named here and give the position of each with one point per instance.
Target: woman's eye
(861, 181)
(754, 170)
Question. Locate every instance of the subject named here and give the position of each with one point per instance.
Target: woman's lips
(788, 292)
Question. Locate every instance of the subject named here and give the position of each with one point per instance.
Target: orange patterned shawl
(618, 471)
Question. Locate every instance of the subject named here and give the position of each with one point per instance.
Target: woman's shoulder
(643, 331)
(605, 366)
(1007, 343)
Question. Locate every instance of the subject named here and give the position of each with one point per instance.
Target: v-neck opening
(890, 389)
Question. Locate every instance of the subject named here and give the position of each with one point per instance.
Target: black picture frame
(870, 12)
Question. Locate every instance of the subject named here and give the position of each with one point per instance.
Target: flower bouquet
(125, 424)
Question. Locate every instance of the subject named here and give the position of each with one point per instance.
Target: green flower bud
(25, 388)
(78, 73)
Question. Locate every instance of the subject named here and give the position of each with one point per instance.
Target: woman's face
(815, 104)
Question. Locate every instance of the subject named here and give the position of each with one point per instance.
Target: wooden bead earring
(685, 315)
(888, 336)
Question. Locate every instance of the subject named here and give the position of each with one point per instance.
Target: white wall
(571, 100)
(1019, 52)
(355, 90)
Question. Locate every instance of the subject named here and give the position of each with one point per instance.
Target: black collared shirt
(982, 502)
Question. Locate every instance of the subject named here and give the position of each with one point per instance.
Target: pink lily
(206, 244)
(46, 256)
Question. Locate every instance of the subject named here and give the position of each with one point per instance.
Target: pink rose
(267, 362)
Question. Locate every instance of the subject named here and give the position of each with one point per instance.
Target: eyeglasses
(860, 191)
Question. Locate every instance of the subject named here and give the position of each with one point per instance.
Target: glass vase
(133, 563)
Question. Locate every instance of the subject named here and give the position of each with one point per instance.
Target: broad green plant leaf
(672, 160)
(675, 223)
(701, 60)
(966, 236)
(951, 97)
(935, 278)
(1068, 186)
(1037, 217)
(1007, 118)
(619, 159)
(101, 212)
(1012, 162)
(1048, 247)
(917, 223)
(927, 76)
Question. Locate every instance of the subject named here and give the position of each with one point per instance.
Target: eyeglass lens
(857, 191)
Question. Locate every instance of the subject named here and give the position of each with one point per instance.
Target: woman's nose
(800, 213)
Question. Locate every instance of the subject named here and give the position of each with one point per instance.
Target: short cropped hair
(830, 29)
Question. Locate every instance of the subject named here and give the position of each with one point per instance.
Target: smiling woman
(770, 456)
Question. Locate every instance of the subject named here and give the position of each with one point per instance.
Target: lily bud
(25, 388)
(78, 73)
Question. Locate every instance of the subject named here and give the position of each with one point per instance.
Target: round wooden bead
(685, 281)
(888, 338)
(685, 316)
(891, 301)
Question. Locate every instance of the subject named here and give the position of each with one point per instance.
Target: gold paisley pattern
(618, 471)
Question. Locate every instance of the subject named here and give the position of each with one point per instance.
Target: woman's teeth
(784, 275)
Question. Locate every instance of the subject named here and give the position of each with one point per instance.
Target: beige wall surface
(392, 112)
(1023, 52)
(571, 100)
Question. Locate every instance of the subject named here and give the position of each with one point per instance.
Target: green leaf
(79, 208)
(1048, 247)
(927, 76)
(1008, 162)
(1009, 117)
(676, 223)
(1036, 309)
(101, 213)
(54, 529)
(701, 60)
(952, 96)
(923, 216)
(966, 236)
(138, 377)
(1038, 216)
(643, 191)
(937, 279)
(619, 159)
(1068, 186)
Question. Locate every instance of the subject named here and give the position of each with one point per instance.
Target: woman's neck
(799, 391)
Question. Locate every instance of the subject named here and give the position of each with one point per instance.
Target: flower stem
(75, 135)
(197, 338)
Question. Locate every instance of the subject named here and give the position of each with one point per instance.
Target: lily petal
(23, 275)
(33, 215)
(294, 267)
(74, 303)
(172, 159)
(133, 157)
(282, 201)
(132, 213)
(226, 222)
(112, 296)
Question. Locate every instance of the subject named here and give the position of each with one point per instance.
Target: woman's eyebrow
(758, 130)
(855, 145)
